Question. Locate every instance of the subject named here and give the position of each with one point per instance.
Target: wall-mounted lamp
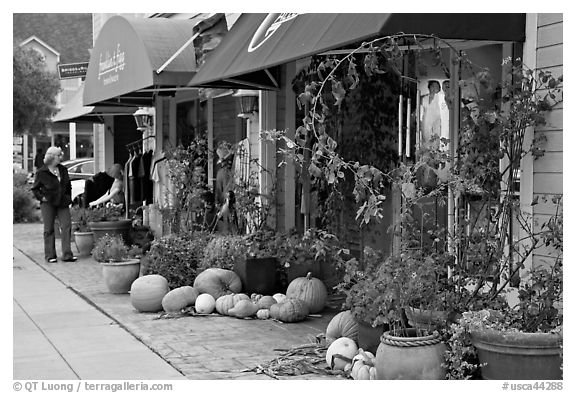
(144, 119)
(248, 102)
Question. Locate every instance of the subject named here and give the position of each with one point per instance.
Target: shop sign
(268, 27)
(109, 65)
(72, 70)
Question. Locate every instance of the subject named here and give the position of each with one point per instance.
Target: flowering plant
(109, 212)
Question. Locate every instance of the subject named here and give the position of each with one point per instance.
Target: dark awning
(258, 42)
(135, 54)
(75, 111)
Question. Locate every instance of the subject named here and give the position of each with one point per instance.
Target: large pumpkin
(147, 292)
(345, 347)
(178, 298)
(310, 290)
(291, 310)
(224, 303)
(218, 282)
(204, 303)
(342, 325)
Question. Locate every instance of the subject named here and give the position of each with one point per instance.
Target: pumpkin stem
(309, 276)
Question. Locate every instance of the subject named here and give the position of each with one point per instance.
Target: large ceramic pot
(369, 336)
(119, 276)
(516, 355)
(120, 227)
(410, 357)
(84, 242)
(258, 275)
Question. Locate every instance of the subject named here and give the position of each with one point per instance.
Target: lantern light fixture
(144, 118)
(248, 102)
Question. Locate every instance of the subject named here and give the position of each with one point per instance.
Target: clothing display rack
(138, 142)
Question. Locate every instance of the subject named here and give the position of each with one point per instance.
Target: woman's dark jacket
(47, 188)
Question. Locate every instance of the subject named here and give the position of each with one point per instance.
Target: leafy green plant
(223, 251)
(23, 208)
(82, 216)
(187, 166)
(109, 212)
(176, 257)
(110, 249)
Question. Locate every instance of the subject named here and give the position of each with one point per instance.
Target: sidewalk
(198, 347)
(58, 335)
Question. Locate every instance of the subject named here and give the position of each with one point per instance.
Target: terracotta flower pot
(120, 227)
(517, 355)
(119, 276)
(410, 357)
(84, 242)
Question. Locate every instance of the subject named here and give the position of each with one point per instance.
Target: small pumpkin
(263, 314)
(310, 290)
(205, 303)
(224, 303)
(147, 292)
(340, 353)
(265, 302)
(243, 309)
(342, 325)
(240, 296)
(255, 297)
(217, 282)
(363, 366)
(292, 310)
(279, 297)
(179, 298)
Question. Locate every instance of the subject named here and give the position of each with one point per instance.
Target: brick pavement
(212, 347)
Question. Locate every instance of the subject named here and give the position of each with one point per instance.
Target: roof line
(33, 37)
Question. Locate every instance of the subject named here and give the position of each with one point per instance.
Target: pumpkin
(224, 303)
(342, 325)
(218, 282)
(205, 303)
(292, 310)
(243, 309)
(255, 297)
(147, 292)
(279, 297)
(310, 290)
(178, 298)
(263, 314)
(239, 297)
(345, 347)
(265, 302)
(363, 366)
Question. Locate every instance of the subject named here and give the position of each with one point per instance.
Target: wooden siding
(226, 121)
(548, 170)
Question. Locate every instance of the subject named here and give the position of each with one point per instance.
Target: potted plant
(258, 267)
(109, 219)
(83, 236)
(119, 267)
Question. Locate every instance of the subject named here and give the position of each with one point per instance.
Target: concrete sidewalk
(212, 347)
(58, 335)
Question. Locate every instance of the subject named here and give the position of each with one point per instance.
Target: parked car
(79, 170)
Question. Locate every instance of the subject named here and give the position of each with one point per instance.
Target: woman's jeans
(49, 214)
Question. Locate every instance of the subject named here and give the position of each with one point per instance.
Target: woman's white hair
(51, 154)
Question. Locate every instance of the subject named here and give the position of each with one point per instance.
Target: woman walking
(53, 189)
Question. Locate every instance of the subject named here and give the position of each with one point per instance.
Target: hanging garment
(160, 180)
(127, 184)
(134, 180)
(146, 185)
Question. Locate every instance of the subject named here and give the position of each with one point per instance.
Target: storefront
(265, 52)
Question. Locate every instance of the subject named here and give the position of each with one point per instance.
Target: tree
(34, 92)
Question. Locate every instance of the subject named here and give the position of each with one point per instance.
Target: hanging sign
(72, 70)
